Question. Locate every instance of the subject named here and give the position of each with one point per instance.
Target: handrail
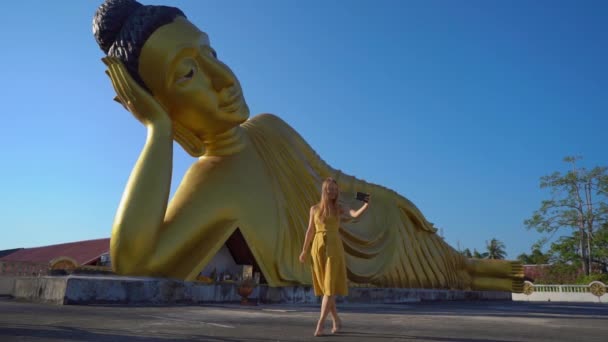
(596, 288)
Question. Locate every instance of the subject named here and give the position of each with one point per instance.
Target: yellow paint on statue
(258, 175)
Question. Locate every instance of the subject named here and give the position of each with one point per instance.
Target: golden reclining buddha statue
(256, 175)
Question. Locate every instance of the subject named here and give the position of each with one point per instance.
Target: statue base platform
(91, 290)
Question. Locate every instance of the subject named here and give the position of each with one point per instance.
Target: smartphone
(362, 196)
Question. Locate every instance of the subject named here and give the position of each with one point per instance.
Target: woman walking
(327, 252)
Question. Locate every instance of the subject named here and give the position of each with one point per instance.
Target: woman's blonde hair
(328, 207)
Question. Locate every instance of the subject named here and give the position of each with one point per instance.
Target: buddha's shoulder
(267, 120)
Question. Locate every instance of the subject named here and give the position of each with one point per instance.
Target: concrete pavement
(437, 321)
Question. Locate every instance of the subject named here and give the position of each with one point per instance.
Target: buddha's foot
(496, 275)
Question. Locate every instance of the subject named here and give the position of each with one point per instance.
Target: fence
(592, 292)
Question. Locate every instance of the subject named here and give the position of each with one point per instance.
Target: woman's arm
(310, 232)
(357, 213)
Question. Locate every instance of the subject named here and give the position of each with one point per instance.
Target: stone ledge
(86, 290)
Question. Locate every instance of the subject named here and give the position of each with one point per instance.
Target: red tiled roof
(81, 251)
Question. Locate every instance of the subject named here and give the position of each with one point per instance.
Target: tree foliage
(495, 249)
(536, 257)
(478, 255)
(467, 253)
(579, 203)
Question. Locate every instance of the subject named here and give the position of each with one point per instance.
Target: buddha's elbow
(128, 256)
(127, 265)
(120, 258)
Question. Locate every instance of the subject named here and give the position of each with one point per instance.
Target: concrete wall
(136, 290)
(41, 289)
(7, 285)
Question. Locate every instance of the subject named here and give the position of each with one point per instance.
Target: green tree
(566, 250)
(467, 253)
(579, 202)
(495, 249)
(600, 250)
(536, 257)
(478, 255)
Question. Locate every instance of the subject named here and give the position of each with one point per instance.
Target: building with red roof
(87, 252)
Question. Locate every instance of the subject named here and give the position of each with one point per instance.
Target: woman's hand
(356, 213)
(303, 256)
(135, 98)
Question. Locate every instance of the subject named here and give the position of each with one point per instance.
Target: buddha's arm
(143, 205)
(142, 208)
(199, 218)
(173, 238)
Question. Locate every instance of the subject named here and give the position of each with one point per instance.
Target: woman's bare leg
(325, 306)
(334, 315)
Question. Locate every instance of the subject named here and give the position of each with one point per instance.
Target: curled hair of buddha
(121, 28)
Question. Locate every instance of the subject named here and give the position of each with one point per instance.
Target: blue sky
(464, 105)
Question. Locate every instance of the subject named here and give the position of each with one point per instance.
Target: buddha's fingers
(120, 92)
(118, 87)
(124, 79)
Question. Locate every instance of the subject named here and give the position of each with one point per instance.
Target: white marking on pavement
(220, 325)
(190, 321)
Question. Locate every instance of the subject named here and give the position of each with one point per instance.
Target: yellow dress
(328, 260)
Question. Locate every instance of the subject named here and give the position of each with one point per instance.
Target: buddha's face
(201, 93)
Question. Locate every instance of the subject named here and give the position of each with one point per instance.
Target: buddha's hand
(135, 98)
(303, 257)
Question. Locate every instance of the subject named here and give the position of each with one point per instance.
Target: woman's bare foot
(337, 326)
(319, 331)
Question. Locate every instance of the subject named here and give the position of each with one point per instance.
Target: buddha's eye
(187, 76)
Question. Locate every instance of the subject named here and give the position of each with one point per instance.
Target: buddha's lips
(233, 101)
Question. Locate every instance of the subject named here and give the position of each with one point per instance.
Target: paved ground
(437, 322)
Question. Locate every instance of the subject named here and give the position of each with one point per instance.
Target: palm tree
(495, 249)
(478, 255)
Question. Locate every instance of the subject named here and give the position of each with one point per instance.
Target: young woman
(328, 262)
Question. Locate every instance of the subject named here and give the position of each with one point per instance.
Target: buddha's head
(174, 61)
